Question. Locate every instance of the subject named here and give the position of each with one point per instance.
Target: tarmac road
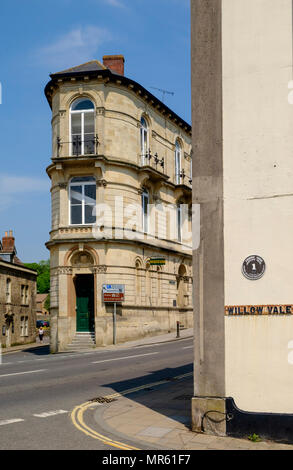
(38, 391)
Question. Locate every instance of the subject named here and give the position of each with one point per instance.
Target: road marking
(78, 412)
(46, 414)
(10, 421)
(188, 347)
(125, 357)
(21, 373)
(77, 419)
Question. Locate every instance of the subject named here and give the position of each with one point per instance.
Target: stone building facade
(17, 297)
(117, 153)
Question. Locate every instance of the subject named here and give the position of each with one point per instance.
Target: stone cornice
(106, 76)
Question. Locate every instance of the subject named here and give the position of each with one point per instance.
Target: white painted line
(21, 373)
(46, 414)
(188, 347)
(125, 357)
(10, 421)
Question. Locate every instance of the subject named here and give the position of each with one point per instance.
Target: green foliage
(47, 303)
(254, 438)
(43, 279)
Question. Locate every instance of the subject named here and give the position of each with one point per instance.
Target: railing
(153, 161)
(182, 177)
(77, 147)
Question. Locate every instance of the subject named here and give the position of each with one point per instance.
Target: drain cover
(103, 400)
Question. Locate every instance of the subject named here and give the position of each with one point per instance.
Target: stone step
(82, 341)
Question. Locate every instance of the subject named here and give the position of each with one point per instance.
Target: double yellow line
(77, 415)
(78, 421)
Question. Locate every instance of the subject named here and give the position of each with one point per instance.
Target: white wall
(258, 192)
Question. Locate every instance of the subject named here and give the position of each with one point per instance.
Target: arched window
(138, 282)
(181, 287)
(82, 127)
(177, 162)
(148, 285)
(145, 210)
(8, 291)
(82, 197)
(144, 140)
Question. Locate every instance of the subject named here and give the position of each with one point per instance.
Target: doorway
(85, 317)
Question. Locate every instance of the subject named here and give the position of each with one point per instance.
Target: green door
(84, 303)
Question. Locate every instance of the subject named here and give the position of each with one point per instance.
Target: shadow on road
(42, 350)
(172, 399)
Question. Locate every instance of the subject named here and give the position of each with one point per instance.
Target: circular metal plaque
(253, 267)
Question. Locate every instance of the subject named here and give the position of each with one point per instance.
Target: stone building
(118, 154)
(17, 296)
(43, 313)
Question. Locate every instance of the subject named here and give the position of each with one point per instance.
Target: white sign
(113, 288)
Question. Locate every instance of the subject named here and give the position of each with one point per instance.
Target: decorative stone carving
(100, 111)
(101, 269)
(82, 258)
(102, 183)
(64, 270)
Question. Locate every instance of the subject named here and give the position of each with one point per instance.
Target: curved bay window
(82, 197)
(144, 141)
(82, 127)
(177, 162)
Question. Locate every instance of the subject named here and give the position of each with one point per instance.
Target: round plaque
(253, 268)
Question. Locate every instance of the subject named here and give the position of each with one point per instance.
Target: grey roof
(91, 66)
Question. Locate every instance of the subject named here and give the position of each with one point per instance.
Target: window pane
(83, 104)
(76, 124)
(76, 214)
(76, 194)
(90, 193)
(76, 144)
(89, 144)
(89, 123)
(81, 179)
(89, 214)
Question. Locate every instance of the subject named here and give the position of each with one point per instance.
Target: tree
(43, 279)
(47, 303)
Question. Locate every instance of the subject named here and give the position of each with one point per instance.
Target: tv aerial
(164, 92)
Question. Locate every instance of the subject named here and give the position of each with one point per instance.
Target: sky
(38, 38)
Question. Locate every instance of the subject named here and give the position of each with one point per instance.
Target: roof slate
(91, 66)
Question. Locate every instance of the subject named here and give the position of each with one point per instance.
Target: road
(38, 391)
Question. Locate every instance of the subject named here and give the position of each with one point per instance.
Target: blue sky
(38, 38)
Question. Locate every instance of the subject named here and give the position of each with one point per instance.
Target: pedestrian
(41, 333)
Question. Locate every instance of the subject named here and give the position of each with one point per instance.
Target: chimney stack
(8, 245)
(115, 63)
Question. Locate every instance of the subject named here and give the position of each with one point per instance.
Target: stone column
(209, 340)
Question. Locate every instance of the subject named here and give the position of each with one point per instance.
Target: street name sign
(113, 293)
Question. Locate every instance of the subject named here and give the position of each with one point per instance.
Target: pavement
(155, 415)
(25, 347)
(161, 420)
